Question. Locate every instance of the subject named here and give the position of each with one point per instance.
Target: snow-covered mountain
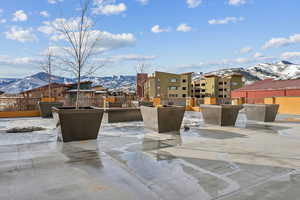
(125, 83)
(282, 70)
(7, 81)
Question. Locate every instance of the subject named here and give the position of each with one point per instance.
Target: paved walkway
(250, 161)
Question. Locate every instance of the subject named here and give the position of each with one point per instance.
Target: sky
(164, 35)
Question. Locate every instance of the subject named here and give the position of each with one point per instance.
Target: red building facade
(256, 92)
(141, 78)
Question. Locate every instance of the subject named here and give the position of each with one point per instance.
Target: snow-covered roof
(75, 90)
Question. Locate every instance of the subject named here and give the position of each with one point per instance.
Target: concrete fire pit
(163, 119)
(46, 108)
(115, 115)
(221, 115)
(261, 112)
(77, 125)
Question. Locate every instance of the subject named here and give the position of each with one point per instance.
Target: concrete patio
(253, 160)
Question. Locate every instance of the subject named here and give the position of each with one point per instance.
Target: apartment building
(141, 78)
(216, 86)
(167, 85)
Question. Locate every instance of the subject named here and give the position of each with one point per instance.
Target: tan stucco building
(167, 85)
(216, 86)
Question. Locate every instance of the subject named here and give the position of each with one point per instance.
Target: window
(173, 95)
(202, 90)
(203, 84)
(220, 90)
(203, 96)
(197, 90)
(172, 88)
(173, 80)
(220, 96)
(234, 84)
(197, 96)
(183, 88)
(184, 95)
(183, 80)
(197, 85)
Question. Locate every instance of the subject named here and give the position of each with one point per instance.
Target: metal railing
(18, 104)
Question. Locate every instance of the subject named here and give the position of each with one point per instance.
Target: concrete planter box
(115, 115)
(261, 112)
(163, 119)
(46, 108)
(113, 105)
(77, 125)
(221, 115)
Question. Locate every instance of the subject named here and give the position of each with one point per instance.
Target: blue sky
(166, 35)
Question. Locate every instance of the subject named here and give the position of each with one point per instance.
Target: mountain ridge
(282, 70)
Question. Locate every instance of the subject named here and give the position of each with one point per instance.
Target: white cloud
(107, 41)
(158, 29)
(18, 66)
(20, 15)
(226, 20)
(233, 62)
(21, 35)
(54, 1)
(290, 55)
(2, 21)
(193, 3)
(50, 27)
(44, 14)
(143, 2)
(108, 7)
(246, 50)
(258, 55)
(184, 28)
(126, 58)
(236, 2)
(280, 42)
(14, 61)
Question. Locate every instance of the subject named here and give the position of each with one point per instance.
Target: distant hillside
(282, 70)
(12, 86)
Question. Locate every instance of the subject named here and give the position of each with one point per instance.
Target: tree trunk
(49, 86)
(78, 91)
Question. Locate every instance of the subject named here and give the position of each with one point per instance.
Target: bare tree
(80, 45)
(141, 68)
(46, 66)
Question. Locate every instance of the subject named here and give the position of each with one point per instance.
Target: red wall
(293, 93)
(258, 96)
(140, 80)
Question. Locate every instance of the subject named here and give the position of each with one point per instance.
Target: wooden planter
(77, 125)
(163, 119)
(261, 112)
(221, 115)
